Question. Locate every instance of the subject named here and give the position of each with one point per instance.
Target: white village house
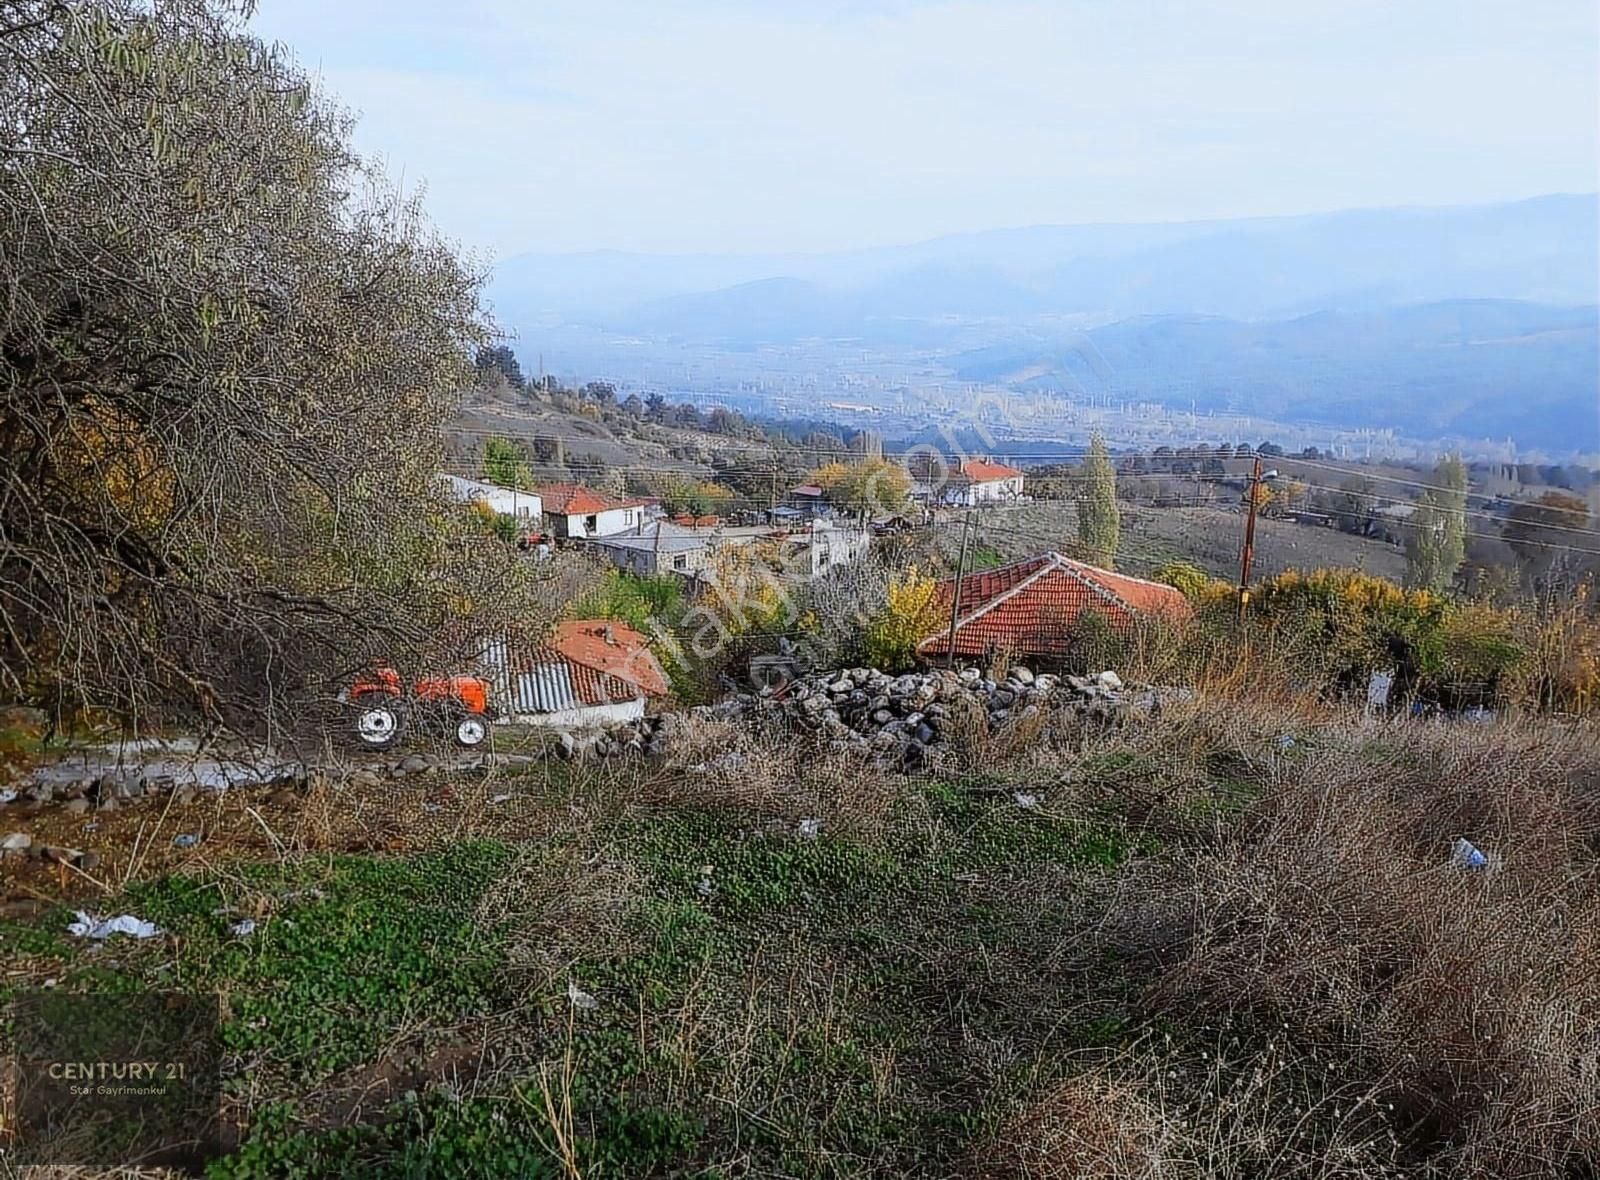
(667, 547)
(575, 512)
(978, 481)
(520, 503)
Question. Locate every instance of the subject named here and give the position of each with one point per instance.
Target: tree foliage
(1099, 519)
(1540, 531)
(909, 615)
(689, 497)
(505, 464)
(1341, 625)
(497, 360)
(1450, 498)
(227, 348)
(1427, 562)
(867, 488)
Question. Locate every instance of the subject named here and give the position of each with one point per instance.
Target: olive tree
(227, 349)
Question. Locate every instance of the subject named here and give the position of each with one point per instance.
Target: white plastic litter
(810, 829)
(580, 998)
(1026, 799)
(8, 796)
(244, 928)
(501, 799)
(88, 926)
(1464, 854)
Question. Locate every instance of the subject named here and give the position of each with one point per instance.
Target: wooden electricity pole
(1248, 553)
(955, 597)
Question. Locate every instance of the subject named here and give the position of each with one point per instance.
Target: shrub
(1479, 649)
(910, 614)
(1193, 581)
(1342, 625)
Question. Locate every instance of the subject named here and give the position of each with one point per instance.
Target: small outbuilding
(1031, 609)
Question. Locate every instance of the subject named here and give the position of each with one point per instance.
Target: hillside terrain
(1537, 250)
(1068, 951)
(1209, 538)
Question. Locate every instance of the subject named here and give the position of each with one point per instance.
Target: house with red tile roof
(978, 481)
(574, 511)
(613, 648)
(1031, 608)
(589, 672)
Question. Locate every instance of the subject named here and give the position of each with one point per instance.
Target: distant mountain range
(1467, 368)
(1472, 320)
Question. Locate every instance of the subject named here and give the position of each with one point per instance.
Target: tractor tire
(472, 730)
(379, 721)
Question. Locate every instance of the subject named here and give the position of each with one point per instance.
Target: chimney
(610, 636)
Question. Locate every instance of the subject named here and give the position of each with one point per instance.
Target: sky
(687, 126)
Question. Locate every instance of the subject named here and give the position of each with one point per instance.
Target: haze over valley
(1474, 324)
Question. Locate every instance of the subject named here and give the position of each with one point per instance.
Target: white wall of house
(504, 501)
(603, 524)
(987, 492)
(832, 547)
(581, 716)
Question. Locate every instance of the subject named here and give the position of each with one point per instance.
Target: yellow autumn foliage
(109, 451)
(910, 613)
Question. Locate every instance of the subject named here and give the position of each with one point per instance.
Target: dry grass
(1332, 909)
(1152, 1113)
(769, 770)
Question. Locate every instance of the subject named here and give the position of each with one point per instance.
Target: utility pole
(955, 597)
(1248, 553)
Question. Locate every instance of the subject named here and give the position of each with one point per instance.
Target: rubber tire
(469, 724)
(382, 737)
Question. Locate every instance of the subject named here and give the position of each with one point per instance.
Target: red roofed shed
(1031, 608)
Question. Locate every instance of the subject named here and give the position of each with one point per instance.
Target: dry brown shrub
(559, 904)
(1157, 1112)
(1091, 1127)
(1333, 909)
(770, 770)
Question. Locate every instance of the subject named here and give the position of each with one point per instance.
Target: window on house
(590, 523)
(680, 562)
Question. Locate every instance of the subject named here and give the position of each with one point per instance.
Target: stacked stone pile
(899, 718)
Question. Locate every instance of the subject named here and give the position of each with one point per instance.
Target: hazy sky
(714, 125)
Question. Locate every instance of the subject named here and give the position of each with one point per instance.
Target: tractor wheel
(472, 730)
(379, 720)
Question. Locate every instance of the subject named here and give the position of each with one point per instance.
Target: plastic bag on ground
(88, 926)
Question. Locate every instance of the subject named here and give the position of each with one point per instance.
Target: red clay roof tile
(1032, 606)
(982, 471)
(613, 648)
(572, 499)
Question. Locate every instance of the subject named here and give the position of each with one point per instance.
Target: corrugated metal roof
(540, 679)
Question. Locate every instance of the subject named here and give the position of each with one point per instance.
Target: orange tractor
(384, 709)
